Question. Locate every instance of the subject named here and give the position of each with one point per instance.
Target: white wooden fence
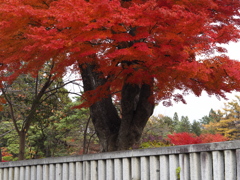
(214, 161)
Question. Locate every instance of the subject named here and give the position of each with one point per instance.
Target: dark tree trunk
(117, 133)
(0, 154)
(22, 143)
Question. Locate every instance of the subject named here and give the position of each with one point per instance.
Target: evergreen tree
(184, 125)
(175, 121)
(196, 128)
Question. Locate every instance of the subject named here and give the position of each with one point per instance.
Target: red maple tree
(135, 52)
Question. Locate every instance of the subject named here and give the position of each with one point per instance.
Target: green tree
(196, 128)
(212, 117)
(175, 120)
(158, 126)
(184, 125)
(26, 97)
(209, 122)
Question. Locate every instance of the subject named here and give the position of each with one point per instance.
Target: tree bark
(22, 143)
(0, 154)
(117, 133)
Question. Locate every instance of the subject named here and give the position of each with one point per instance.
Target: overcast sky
(197, 107)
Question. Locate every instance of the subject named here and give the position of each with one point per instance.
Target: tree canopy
(138, 52)
(144, 39)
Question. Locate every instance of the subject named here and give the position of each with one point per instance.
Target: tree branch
(11, 110)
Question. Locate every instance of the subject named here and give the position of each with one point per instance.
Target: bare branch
(11, 110)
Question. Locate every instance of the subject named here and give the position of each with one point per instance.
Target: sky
(197, 107)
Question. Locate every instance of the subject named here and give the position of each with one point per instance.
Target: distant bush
(190, 138)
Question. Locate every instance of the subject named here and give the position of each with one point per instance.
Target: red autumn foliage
(146, 39)
(189, 138)
(208, 138)
(5, 154)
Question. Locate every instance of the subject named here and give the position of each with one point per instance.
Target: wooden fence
(214, 161)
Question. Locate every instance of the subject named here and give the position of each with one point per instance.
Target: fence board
(218, 165)
(16, 173)
(117, 169)
(39, 172)
(206, 165)
(214, 161)
(184, 166)
(11, 174)
(173, 165)
(79, 171)
(109, 170)
(101, 170)
(5, 173)
(164, 168)
(135, 168)
(126, 172)
(93, 170)
(238, 163)
(195, 168)
(230, 165)
(33, 173)
(154, 167)
(72, 171)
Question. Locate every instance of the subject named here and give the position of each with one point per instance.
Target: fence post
(230, 164)
(184, 161)
(195, 168)
(218, 165)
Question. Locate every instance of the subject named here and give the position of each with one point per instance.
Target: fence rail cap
(184, 149)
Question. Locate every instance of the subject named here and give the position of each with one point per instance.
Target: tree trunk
(117, 133)
(0, 154)
(22, 142)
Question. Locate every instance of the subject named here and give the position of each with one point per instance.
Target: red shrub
(183, 138)
(208, 138)
(189, 138)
